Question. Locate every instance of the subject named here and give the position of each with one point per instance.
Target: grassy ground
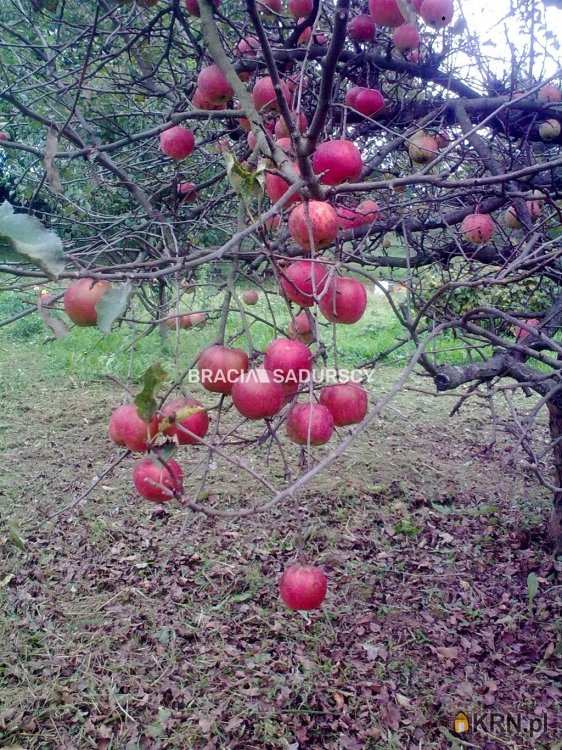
(126, 352)
(124, 626)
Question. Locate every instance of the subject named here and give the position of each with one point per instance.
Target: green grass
(85, 354)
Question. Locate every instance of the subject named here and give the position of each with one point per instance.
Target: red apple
(362, 28)
(300, 121)
(406, 37)
(522, 333)
(303, 280)
(347, 403)
(477, 228)
(4, 136)
(310, 424)
(306, 33)
(187, 192)
(286, 145)
(276, 187)
(437, 13)
(177, 142)
(386, 12)
(422, 147)
(128, 429)
(81, 298)
(549, 94)
(213, 85)
(263, 95)
(289, 361)
(219, 367)
(197, 423)
(201, 102)
(303, 587)
(192, 7)
(313, 224)
(362, 215)
(298, 8)
(247, 47)
(258, 395)
(250, 297)
(367, 102)
(345, 300)
(301, 329)
(337, 161)
(270, 8)
(158, 482)
(189, 320)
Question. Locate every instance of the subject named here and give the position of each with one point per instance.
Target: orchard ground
(127, 626)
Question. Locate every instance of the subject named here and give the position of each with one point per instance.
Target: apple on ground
(303, 587)
(250, 297)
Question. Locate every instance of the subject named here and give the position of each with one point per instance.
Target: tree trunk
(555, 423)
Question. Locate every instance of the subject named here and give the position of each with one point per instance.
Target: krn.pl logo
(461, 723)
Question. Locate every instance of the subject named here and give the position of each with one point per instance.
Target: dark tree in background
(459, 147)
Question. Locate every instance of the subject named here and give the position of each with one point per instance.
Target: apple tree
(313, 150)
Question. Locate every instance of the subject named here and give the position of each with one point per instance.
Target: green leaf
(28, 237)
(113, 305)
(245, 182)
(532, 588)
(145, 400)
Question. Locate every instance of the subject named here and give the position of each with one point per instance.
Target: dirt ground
(125, 626)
